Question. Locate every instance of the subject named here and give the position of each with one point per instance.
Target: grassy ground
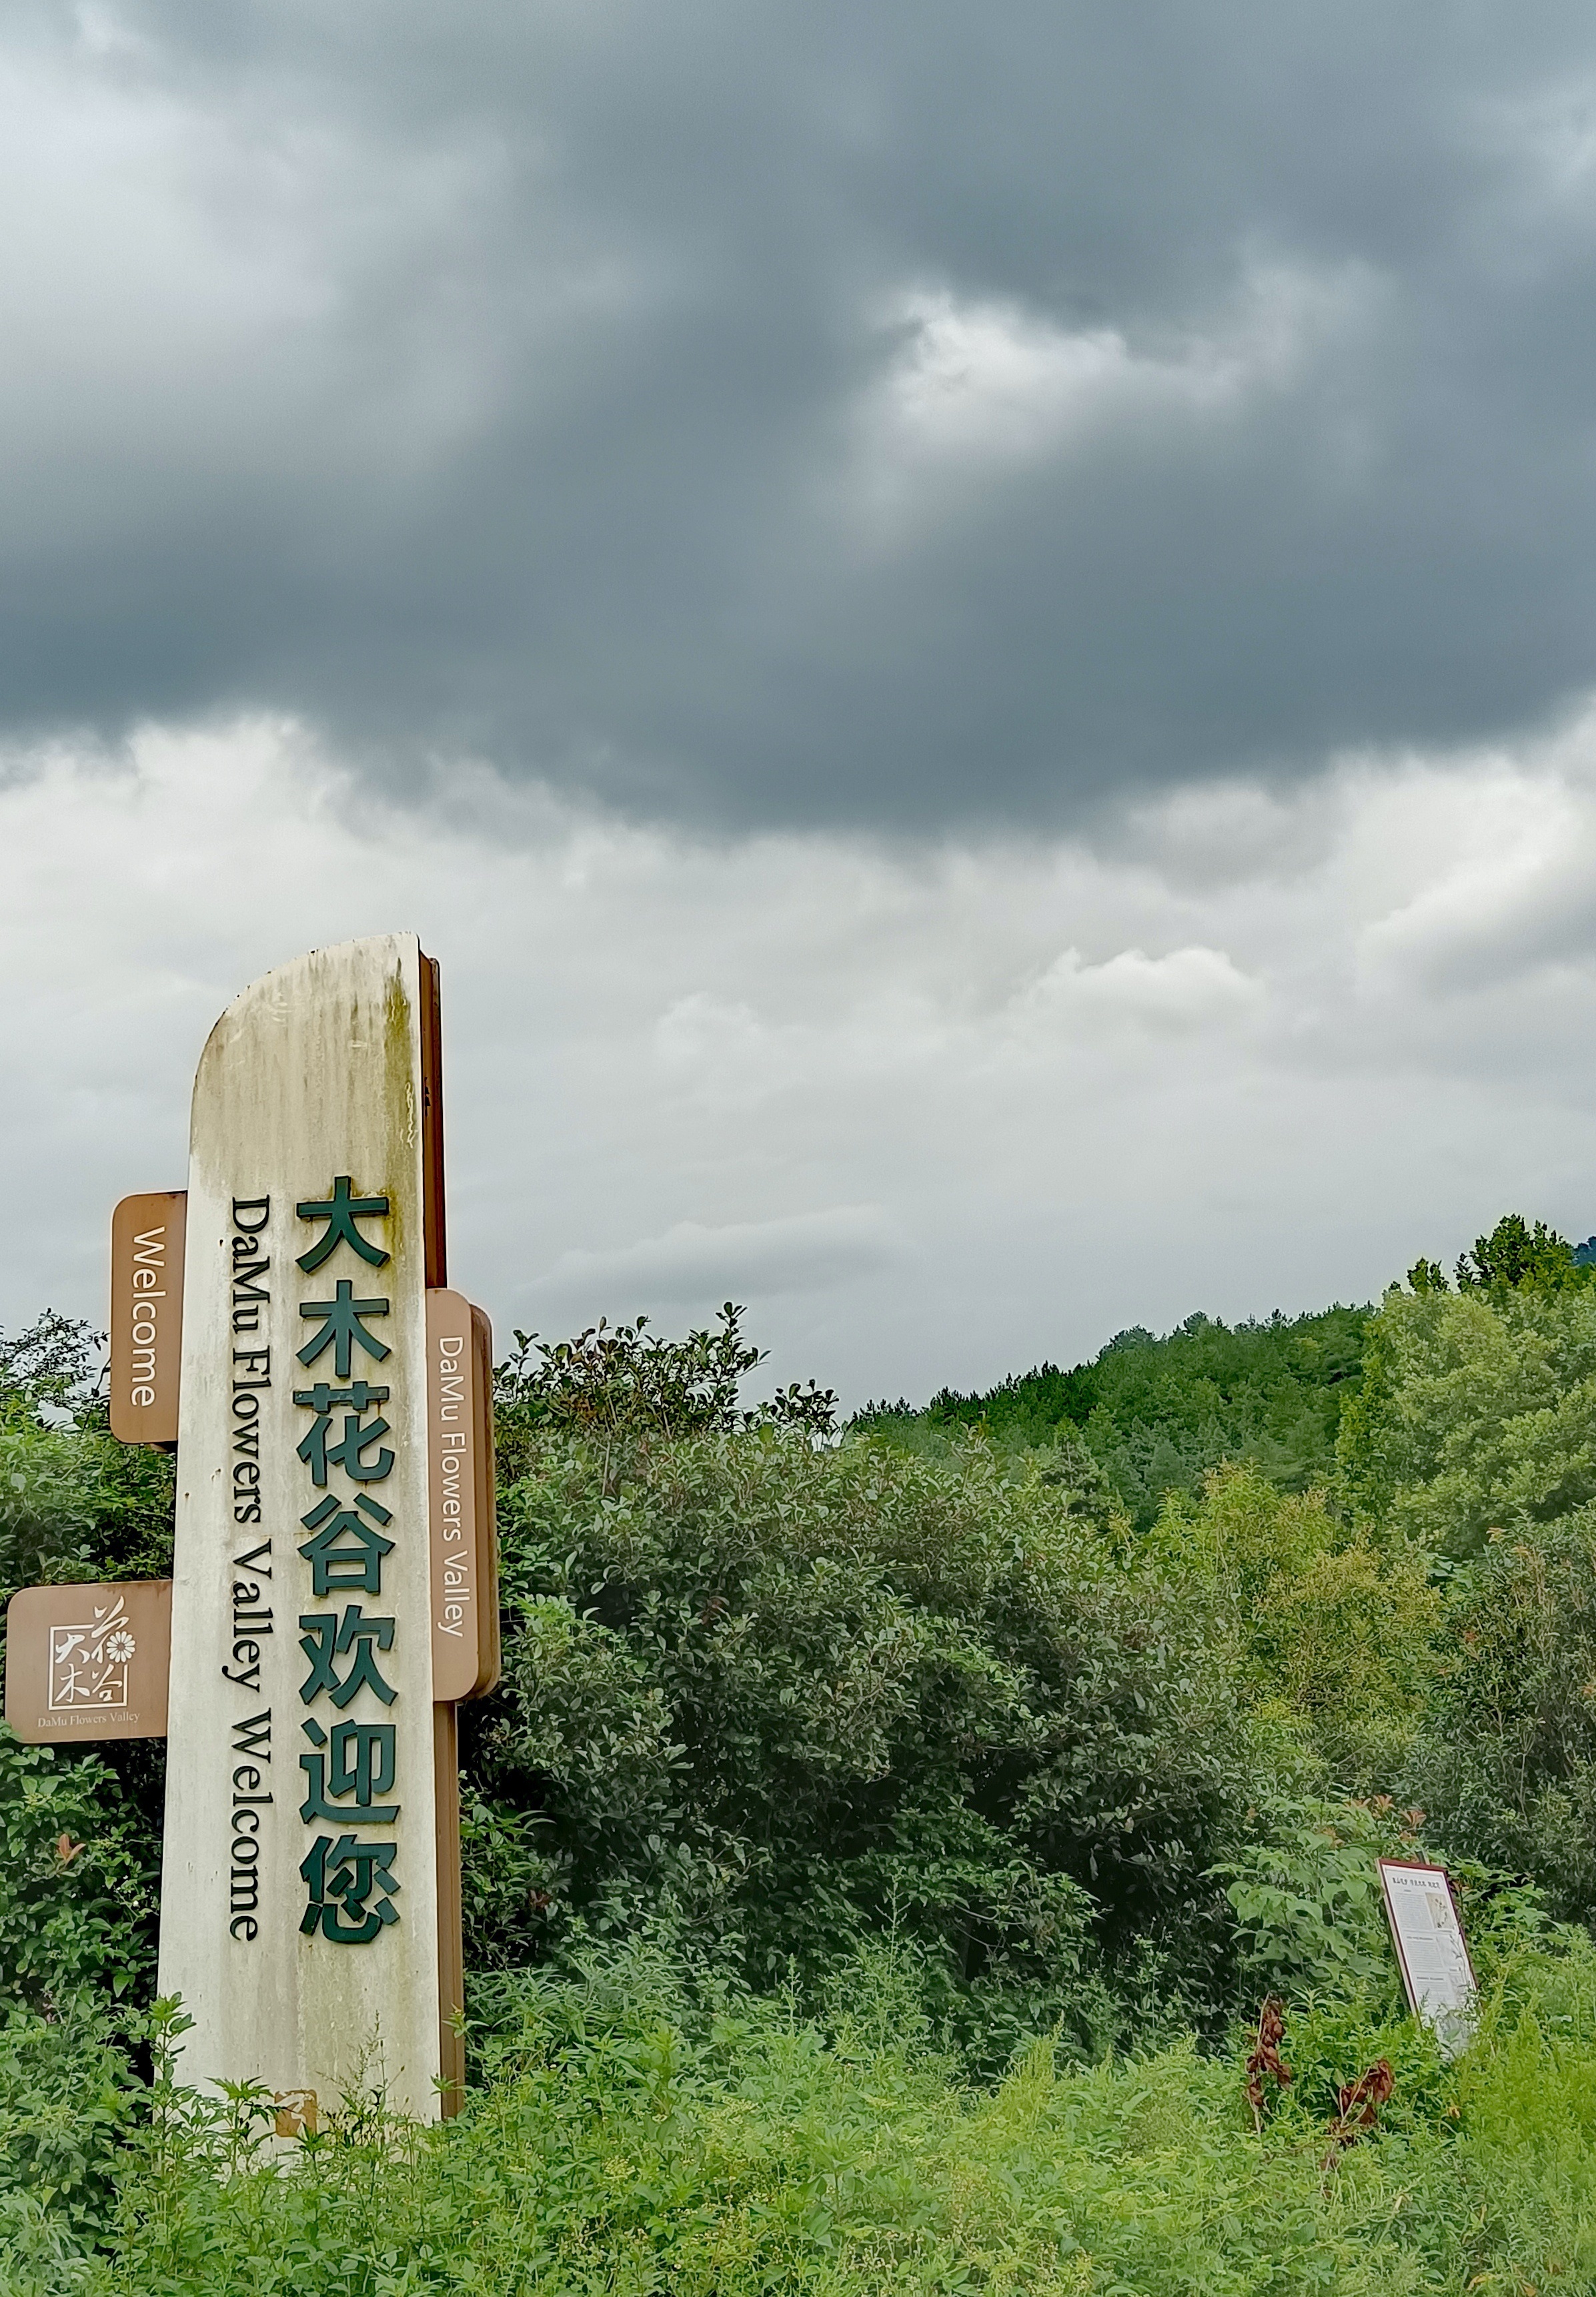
(626, 2141)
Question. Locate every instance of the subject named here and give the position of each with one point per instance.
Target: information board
(1435, 1968)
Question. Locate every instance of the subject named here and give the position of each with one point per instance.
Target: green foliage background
(1157, 1415)
(881, 1842)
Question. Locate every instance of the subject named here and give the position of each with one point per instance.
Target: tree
(1507, 1769)
(1336, 1637)
(1477, 1412)
(1515, 1254)
(614, 1384)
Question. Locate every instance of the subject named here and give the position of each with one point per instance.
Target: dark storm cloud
(893, 415)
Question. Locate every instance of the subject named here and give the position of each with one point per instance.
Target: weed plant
(633, 2130)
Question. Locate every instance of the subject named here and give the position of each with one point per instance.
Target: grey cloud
(511, 383)
(922, 1138)
(692, 1263)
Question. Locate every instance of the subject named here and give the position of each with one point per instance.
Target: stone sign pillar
(304, 1805)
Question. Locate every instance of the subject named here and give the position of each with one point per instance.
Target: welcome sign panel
(300, 1895)
(146, 1316)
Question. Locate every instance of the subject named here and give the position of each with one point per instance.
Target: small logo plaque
(90, 1657)
(89, 1662)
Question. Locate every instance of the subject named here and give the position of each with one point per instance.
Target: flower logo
(119, 1647)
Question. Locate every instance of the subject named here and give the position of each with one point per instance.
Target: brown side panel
(451, 1951)
(446, 1742)
(146, 1315)
(432, 1105)
(89, 1662)
(454, 1496)
(490, 1656)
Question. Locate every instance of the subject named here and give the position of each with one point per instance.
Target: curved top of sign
(352, 981)
(373, 997)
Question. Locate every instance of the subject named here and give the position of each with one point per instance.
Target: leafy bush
(624, 1384)
(69, 2101)
(80, 1834)
(1306, 1898)
(794, 1692)
(78, 1880)
(1336, 1637)
(74, 1504)
(1507, 1768)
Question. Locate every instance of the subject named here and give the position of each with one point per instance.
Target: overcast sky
(970, 628)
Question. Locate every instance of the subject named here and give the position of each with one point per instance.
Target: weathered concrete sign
(287, 1323)
(309, 1790)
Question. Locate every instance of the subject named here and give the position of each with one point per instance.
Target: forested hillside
(883, 1843)
(1156, 1413)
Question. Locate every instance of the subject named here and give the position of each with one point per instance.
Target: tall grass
(630, 2134)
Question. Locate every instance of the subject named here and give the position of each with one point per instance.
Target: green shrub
(68, 2099)
(74, 1504)
(79, 1881)
(791, 1692)
(1340, 1638)
(1306, 1898)
(1507, 1768)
